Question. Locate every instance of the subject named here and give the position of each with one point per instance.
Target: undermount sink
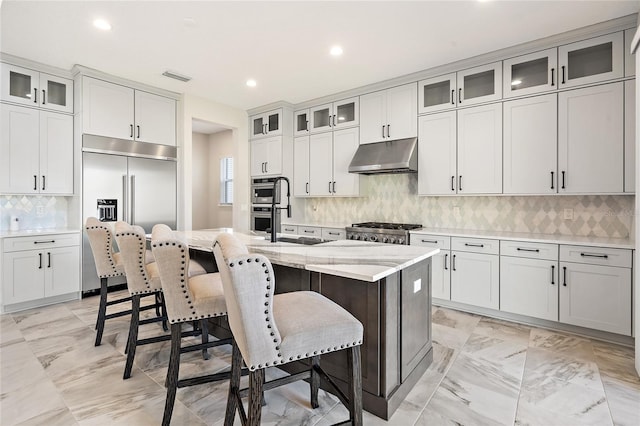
(301, 240)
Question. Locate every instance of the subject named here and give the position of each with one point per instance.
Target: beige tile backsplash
(392, 198)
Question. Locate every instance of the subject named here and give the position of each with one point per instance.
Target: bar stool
(108, 264)
(187, 299)
(273, 330)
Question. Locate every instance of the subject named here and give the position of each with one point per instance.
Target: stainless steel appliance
(261, 219)
(396, 156)
(125, 180)
(263, 191)
(381, 232)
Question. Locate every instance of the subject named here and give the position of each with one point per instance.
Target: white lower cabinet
(440, 263)
(40, 267)
(596, 293)
(475, 274)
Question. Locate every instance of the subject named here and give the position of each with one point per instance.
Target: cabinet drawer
(596, 255)
(476, 245)
(529, 250)
(310, 231)
(41, 242)
(289, 229)
(427, 240)
(333, 234)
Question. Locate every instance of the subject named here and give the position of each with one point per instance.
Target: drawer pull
(553, 274)
(309, 232)
(333, 233)
(453, 263)
(430, 241)
(44, 242)
(600, 256)
(474, 245)
(40, 260)
(288, 229)
(445, 261)
(49, 259)
(531, 250)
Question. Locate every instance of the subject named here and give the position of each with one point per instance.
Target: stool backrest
(248, 282)
(101, 241)
(161, 231)
(132, 244)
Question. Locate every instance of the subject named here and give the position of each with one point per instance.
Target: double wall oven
(263, 197)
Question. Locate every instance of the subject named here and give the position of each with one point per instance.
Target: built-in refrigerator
(125, 180)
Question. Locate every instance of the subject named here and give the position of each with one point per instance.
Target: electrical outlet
(39, 211)
(568, 214)
(417, 285)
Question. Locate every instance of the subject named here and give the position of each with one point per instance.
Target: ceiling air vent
(176, 76)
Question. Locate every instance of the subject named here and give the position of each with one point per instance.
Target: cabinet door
(629, 60)
(258, 126)
(480, 150)
(19, 145)
(531, 145)
(437, 94)
(301, 123)
(273, 120)
(56, 153)
(533, 73)
(402, 112)
(56, 93)
(590, 61)
(529, 287)
(155, 118)
(441, 275)
(61, 271)
(630, 136)
(274, 156)
(23, 276)
(345, 144)
(373, 117)
(321, 118)
(320, 164)
(20, 85)
(590, 139)
(107, 109)
(480, 84)
(346, 113)
(301, 166)
(437, 154)
(475, 279)
(259, 157)
(596, 297)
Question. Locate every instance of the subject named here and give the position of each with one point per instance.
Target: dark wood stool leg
(234, 384)
(205, 337)
(315, 381)
(172, 373)
(133, 334)
(256, 391)
(163, 310)
(102, 311)
(355, 385)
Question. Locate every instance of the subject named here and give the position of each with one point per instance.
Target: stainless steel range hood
(398, 156)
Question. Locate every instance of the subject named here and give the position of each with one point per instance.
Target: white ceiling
(282, 45)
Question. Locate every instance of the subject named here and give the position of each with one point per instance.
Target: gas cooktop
(386, 225)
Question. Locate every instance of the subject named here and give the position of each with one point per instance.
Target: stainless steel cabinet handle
(43, 97)
(125, 196)
(430, 241)
(553, 73)
(44, 242)
(130, 130)
(43, 183)
(453, 263)
(138, 129)
(39, 260)
(564, 276)
(445, 262)
(35, 182)
(526, 249)
(599, 256)
(48, 259)
(35, 96)
(133, 199)
(553, 274)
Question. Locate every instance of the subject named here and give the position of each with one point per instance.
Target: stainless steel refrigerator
(125, 180)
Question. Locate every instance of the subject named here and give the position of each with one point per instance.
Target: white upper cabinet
(590, 61)
(301, 122)
(389, 114)
(267, 124)
(321, 164)
(437, 94)
(629, 59)
(531, 145)
(334, 115)
(533, 73)
(480, 84)
(36, 89)
(301, 166)
(56, 153)
(117, 111)
(266, 157)
(437, 137)
(630, 136)
(345, 144)
(590, 140)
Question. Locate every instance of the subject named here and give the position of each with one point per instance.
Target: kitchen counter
(36, 232)
(357, 260)
(622, 243)
(341, 225)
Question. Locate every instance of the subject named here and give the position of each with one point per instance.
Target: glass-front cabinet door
(437, 94)
(20, 85)
(321, 118)
(301, 123)
(267, 124)
(480, 84)
(346, 113)
(590, 61)
(56, 93)
(533, 73)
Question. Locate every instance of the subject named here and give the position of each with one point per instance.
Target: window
(226, 180)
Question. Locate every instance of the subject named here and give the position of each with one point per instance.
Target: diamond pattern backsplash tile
(392, 198)
(33, 212)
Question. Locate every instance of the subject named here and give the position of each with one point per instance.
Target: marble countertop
(358, 260)
(35, 232)
(317, 225)
(624, 243)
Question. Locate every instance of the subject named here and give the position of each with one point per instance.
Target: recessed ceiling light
(251, 83)
(102, 24)
(336, 51)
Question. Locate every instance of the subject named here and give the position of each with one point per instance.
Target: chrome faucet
(274, 208)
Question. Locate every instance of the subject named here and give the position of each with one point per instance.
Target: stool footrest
(117, 314)
(152, 320)
(155, 339)
(207, 345)
(341, 396)
(115, 302)
(272, 384)
(204, 379)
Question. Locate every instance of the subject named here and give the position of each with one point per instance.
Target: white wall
(193, 107)
(220, 146)
(200, 189)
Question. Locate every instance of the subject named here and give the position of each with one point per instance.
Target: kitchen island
(387, 287)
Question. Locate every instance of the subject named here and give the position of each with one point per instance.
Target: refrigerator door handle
(124, 198)
(133, 200)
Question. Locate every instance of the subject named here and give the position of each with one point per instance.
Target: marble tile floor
(485, 372)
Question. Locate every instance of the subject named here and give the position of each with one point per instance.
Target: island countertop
(358, 260)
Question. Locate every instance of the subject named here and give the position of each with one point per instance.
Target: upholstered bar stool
(187, 299)
(108, 264)
(273, 330)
